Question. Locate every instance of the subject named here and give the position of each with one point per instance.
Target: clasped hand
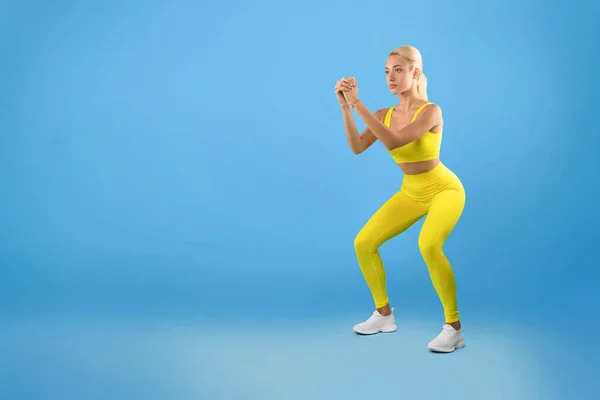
(346, 90)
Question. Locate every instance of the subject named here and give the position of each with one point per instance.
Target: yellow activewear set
(438, 194)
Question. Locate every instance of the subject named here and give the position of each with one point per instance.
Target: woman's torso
(400, 119)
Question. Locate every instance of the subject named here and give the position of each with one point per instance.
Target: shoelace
(374, 316)
(447, 332)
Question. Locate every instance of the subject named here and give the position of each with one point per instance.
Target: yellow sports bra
(426, 147)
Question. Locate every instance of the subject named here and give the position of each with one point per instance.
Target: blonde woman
(412, 134)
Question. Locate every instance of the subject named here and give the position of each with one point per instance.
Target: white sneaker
(377, 323)
(447, 341)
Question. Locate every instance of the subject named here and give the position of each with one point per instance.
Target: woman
(412, 134)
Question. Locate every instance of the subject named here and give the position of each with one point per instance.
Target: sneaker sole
(386, 329)
(460, 345)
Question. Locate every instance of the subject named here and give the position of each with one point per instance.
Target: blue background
(179, 201)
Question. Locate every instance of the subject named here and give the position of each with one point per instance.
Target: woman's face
(398, 74)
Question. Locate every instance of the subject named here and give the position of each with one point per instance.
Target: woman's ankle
(456, 325)
(385, 310)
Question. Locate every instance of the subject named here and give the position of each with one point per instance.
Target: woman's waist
(438, 177)
(419, 167)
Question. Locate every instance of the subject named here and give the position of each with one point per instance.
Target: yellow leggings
(440, 195)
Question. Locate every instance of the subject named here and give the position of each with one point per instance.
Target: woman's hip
(425, 186)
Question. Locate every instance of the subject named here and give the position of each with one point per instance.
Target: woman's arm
(427, 119)
(358, 142)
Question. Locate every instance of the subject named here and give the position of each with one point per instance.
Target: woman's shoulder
(381, 113)
(431, 108)
(432, 104)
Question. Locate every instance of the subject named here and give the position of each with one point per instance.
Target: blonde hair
(413, 56)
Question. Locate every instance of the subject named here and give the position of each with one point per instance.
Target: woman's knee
(363, 242)
(429, 247)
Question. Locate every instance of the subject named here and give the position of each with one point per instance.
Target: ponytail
(422, 86)
(414, 59)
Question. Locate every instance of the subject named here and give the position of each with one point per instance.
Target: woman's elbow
(392, 144)
(357, 150)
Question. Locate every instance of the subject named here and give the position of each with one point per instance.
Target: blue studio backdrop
(172, 161)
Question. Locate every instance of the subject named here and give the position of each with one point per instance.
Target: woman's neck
(409, 100)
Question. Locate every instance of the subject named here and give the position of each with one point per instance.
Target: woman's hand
(351, 92)
(342, 87)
